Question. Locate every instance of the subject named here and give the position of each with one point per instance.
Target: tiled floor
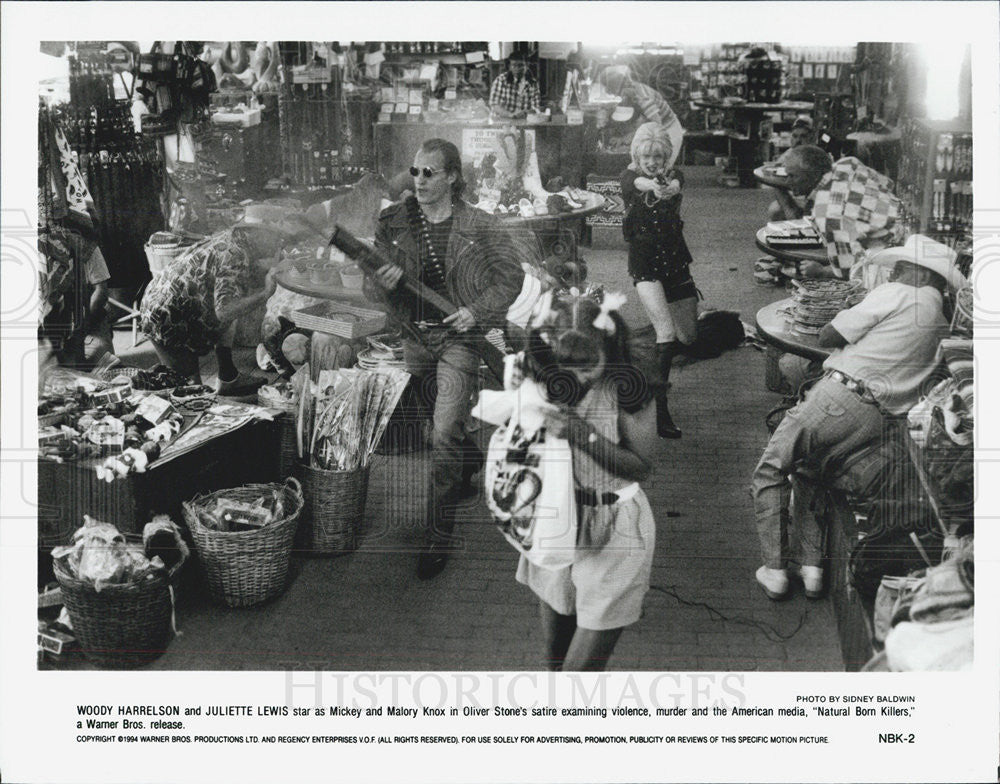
(368, 610)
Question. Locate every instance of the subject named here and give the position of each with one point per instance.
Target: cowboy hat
(924, 252)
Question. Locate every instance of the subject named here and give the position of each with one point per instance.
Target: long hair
(569, 339)
(452, 162)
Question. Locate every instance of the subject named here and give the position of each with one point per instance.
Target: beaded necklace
(432, 266)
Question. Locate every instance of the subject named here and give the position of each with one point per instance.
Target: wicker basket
(334, 509)
(289, 451)
(244, 568)
(120, 624)
(159, 257)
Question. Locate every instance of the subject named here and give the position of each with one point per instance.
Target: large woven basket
(120, 624)
(244, 568)
(289, 450)
(334, 509)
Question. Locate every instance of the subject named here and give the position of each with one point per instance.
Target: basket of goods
(282, 396)
(118, 591)
(340, 421)
(818, 301)
(162, 248)
(244, 539)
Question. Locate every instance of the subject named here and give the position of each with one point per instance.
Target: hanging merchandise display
(325, 117)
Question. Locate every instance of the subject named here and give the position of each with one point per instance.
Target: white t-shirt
(892, 336)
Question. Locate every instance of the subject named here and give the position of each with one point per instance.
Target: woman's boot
(665, 427)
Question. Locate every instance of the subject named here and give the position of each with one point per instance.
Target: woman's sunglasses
(426, 171)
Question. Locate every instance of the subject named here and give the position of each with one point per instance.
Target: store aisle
(368, 611)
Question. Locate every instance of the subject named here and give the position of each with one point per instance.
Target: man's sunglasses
(426, 171)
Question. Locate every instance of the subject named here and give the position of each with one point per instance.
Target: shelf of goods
(935, 179)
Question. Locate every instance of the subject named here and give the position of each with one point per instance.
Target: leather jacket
(482, 272)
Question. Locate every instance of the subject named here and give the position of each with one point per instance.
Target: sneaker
(812, 579)
(243, 384)
(774, 582)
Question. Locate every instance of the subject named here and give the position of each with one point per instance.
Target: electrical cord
(769, 631)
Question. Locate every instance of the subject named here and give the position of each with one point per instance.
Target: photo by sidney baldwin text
(505, 356)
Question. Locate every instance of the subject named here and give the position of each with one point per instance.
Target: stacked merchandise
(818, 301)
(383, 352)
(801, 233)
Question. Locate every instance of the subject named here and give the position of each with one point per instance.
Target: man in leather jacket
(463, 254)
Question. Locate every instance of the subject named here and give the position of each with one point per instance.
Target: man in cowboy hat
(884, 350)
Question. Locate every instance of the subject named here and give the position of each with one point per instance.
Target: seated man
(884, 352)
(791, 208)
(852, 205)
(856, 212)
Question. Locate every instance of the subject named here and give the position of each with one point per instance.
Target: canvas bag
(528, 478)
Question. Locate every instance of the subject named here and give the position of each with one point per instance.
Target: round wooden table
(301, 284)
(553, 231)
(773, 328)
(790, 253)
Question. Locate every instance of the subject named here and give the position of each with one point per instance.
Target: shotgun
(410, 291)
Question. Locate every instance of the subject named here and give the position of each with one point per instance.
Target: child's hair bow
(612, 301)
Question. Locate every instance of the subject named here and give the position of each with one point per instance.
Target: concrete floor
(368, 611)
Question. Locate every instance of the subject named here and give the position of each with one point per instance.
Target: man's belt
(858, 387)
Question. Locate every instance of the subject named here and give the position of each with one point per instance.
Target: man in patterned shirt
(852, 205)
(514, 93)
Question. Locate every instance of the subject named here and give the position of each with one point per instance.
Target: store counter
(561, 147)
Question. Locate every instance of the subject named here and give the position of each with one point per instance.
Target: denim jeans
(831, 421)
(450, 377)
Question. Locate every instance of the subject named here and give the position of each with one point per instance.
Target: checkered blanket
(852, 206)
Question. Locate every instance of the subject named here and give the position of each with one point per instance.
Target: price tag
(474, 57)
(386, 108)
(416, 109)
(402, 107)
(450, 94)
(388, 95)
(416, 97)
(825, 138)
